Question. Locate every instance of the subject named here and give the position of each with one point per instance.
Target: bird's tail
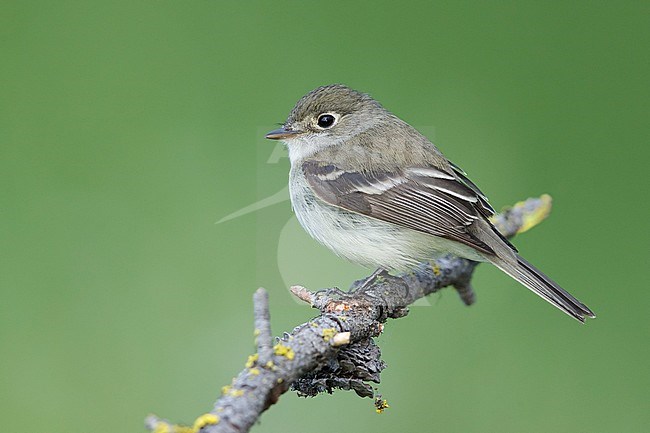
(535, 280)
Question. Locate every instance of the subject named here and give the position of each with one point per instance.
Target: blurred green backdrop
(128, 128)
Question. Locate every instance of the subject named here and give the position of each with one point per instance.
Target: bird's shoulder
(384, 147)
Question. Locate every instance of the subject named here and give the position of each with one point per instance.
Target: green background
(128, 128)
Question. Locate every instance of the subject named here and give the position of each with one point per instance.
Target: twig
(335, 349)
(262, 325)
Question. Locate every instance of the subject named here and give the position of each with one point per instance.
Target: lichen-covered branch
(262, 315)
(336, 348)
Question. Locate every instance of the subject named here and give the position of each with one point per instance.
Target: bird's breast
(358, 238)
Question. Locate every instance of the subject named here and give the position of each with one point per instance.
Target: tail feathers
(535, 280)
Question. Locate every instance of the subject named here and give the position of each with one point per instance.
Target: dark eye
(326, 120)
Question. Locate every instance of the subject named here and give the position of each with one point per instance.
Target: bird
(374, 190)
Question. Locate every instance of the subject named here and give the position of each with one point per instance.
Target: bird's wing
(426, 199)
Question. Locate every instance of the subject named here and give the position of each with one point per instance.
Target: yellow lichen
(203, 420)
(269, 364)
(531, 219)
(254, 371)
(328, 333)
(229, 390)
(251, 360)
(381, 405)
(256, 332)
(436, 269)
(282, 350)
(162, 427)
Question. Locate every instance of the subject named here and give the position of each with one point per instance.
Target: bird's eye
(326, 120)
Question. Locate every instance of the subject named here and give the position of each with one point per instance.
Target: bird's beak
(282, 133)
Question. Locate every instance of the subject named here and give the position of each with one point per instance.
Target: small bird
(370, 187)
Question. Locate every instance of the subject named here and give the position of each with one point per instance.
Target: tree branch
(336, 348)
(262, 326)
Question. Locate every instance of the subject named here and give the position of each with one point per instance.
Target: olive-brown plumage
(374, 190)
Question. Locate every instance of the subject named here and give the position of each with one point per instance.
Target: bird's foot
(368, 281)
(331, 293)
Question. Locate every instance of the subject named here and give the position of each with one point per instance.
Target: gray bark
(336, 349)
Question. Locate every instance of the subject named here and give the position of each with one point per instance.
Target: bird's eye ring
(326, 120)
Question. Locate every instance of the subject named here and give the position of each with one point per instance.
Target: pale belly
(364, 240)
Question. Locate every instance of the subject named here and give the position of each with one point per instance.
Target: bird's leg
(365, 282)
(332, 293)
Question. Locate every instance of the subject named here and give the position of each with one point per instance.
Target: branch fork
(336, 349)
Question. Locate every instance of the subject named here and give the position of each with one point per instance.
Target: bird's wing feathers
(426, 199)
(485, 208)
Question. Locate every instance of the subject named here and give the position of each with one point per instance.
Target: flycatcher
(375, 191)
